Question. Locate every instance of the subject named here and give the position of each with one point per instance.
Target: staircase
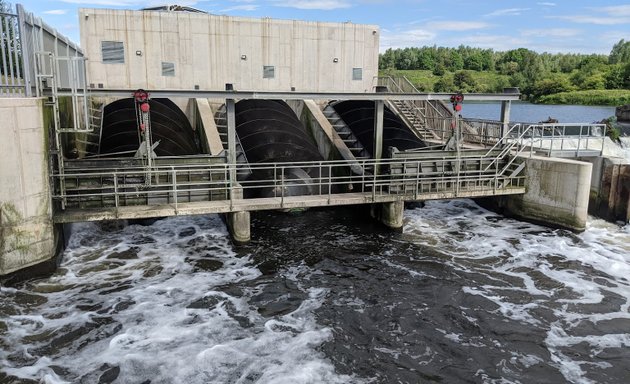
(415, 117)
(243, 168)
(342, 129)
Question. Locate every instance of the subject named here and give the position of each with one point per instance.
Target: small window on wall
(113, 52)
(168, 69)
(357, 73)
(269, 72)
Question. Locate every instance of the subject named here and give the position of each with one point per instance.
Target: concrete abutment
(28, 236)
(557, 194)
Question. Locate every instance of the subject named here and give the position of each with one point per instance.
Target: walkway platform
(272, 203)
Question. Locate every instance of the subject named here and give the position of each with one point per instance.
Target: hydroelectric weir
(120, 136)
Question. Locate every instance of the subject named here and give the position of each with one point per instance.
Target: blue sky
(551, 26)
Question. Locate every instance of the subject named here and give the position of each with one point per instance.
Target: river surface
(533, 113)
(327, 296)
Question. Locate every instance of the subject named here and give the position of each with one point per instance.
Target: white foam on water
(573, 275)
(157, 315)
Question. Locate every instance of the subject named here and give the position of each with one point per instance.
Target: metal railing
(406, 178)
(572, 139)
(12, 79)
(22, 36)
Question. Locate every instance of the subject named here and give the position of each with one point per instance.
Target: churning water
(463, 295)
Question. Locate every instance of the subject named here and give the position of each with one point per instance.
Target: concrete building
(190, 50)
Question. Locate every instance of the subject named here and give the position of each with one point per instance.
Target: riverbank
(492, 82)
(609, 97)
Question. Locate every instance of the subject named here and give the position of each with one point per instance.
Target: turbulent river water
(327, 296)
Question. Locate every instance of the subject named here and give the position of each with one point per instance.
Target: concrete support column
(239, 226)
(505, 110)
(231, 126)
(379, 112)
(390, 214)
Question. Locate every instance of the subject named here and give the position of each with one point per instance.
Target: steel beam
(300, 95)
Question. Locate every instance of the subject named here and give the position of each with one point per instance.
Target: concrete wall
(210, 51)
(610, 189)
(27, 234)
(557, 193)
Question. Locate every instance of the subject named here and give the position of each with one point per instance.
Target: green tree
(614, 77)
(474, 62)
(387, 60)
(456, 61)
(464, 81)
(620, 52)
(439, 70)
(551, 85)
(444, 84)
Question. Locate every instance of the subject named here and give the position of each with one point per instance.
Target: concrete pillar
(231, 125)
(379, 112)
(505, 110)
(239, 226)
(557, 193)
(28, 236)
(390, 214)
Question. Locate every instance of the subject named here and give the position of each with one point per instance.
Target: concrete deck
(273, 203)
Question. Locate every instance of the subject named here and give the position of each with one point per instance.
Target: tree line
(536, 74)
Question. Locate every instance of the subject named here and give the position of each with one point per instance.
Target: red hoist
(143, 119)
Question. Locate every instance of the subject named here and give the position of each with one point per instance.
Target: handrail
(508, 148)
(180, 183)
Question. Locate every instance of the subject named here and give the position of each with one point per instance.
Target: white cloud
(496, 42)
(507, 12)
(455, 25)
(617, 10)
(56, 12)
(410, 38)
(314, 4)
(613, 15)
(598, 20)
(244, 7)
(547, 4)
(551, 32)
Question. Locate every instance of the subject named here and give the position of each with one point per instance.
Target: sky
(575, 26)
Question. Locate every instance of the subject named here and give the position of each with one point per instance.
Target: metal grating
(357, 73)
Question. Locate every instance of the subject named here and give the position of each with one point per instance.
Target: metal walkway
(99, 193)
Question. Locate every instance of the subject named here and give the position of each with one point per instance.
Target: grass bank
(611, 97)
(424, 81)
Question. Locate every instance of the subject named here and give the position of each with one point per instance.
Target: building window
(269, 72)
(357, 73)
(113, 52)
(168, 69)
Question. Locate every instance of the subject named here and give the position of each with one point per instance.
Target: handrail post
(174, 181)
(329, 181)
(116, 190)
(282, 187)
